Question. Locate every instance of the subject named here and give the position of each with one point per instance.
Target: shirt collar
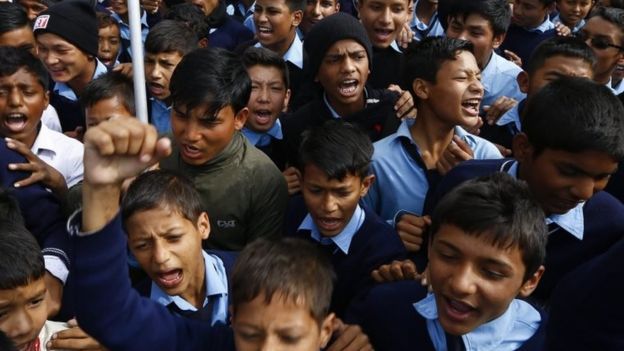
(294, 53)
(121, 22)
(572, 221)
(557, 19)
(546, 25)
(216, 284)
(336, 115)
(65, 91)
(344, 238)
(608, 85)
(396, 47)
(255, 137)
(44, 140)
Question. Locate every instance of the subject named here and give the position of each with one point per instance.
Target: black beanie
(331, 29)
(72, 20)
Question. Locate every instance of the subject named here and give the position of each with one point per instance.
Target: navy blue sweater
(113, 313)
(522, 42)
(603, 217)
(392, 323)
(374, 244)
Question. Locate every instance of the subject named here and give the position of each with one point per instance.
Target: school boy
(109, 40)
(120, 14)
(16, 31)
(166, 44)
(570, 145)
(553, 58)
(335, 161)
(604, 33)
(111, 94)
(484, 23)
(54, 159)
(530, 26)
(23, 289)
(384, 20)
(340, 53)
(486, 249)
(67, 41)
(406, 164)
(572, 13)
(425, 21)
(223, 30)
(241, 188)
(316, 10)
(281, 290)
(193, 17)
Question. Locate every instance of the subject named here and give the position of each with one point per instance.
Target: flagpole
(138, 72)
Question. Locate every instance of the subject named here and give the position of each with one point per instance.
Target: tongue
(170, 276)
(15, 124)
(460, 307)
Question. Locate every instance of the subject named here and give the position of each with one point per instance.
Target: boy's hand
(124, 68)
(150, 6)
(73, 338)
(395, 271)
(349, 338)
(456, 152)
(476, 128)
(495, 111)
(404, 106)
(39, 170)
(293, 180)
(562, 30)
(411, 229)
(503, 150)
(511, 56)
(406, 35)
(77, 133)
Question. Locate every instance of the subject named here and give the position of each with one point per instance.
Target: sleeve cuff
(56, 267)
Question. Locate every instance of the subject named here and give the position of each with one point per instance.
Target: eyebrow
(486, 260)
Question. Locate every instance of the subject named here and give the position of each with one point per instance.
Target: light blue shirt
(344, 238)
(422, 30)
(611, 88)
(401, 183)
(576, 28)
(499, 79)
(294, 54)
(506, 333)
(264, 139)
(65, 91)
(124, 28)
(511, 118)
(216, 288)
(544, 26)
(161, 116)
(572, 221)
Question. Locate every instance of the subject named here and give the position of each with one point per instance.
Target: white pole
(138, 72)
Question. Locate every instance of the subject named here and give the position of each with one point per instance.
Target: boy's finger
(34, 178)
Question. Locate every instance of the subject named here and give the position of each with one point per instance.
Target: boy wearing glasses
(604, 33)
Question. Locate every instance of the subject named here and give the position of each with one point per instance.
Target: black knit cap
(331, 29)
(72, 20)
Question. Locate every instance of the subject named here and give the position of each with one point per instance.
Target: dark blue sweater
(392, 324)
(522, 42)
(374, 244)
(603, 217)
(112, 312)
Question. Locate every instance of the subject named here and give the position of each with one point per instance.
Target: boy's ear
(286, 101)
(203, 225)
(366, 184)
(241, 118)
(523, 81)
(327, 329)
(421, 89)
(46, 99)
(498, 40)
(522, 148)
(527, 288)
(297, 16)
(202, 43)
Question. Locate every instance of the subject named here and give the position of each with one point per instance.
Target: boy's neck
(196, 293)
(431, 135)
(425, 10)
(29, 141)
(603, 78)
(344, 110)
(282, 47)
(80, 82)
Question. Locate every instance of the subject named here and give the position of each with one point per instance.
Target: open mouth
(263, 31)
(169, 279)
(329, 224)
(457, 310)
(348, 87)
(263, 116)
(383, 34)
(15, 122)
(190, 151)
(156, 89)
(471, 107)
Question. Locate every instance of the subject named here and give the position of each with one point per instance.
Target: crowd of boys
(314, 175)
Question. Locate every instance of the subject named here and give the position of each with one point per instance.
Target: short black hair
(338, 148)
(109, 85)
(162, 189)
(496, 12)
(170, 36)
(425, 58)
(13, 59)
(612, 15)
(500, 210)
(211, 76)
(9, 207)
(254, 56)
(20, 256)
(104, 20)
(12, 17)
(296, 5)
(547, 2)
(575, 115)
(560, 46)
(190, 15)
(289, 268)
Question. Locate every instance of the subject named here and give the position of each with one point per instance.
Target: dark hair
(575, 115)
(426, 57)
(264, 57)
(170, 36)
(5, 343)
(547, 2)
(162, 189)
(289, 268)
(104, 20)
(501, 211)
(109, 85)
(560, 46)
(338, 148)
(496, 12)
(210, 76)
(296, 5)
(12, 17)
(9, 208)
(20, 256)
(612, 15)
(192, 16)
(619, 4)
(13, 59)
